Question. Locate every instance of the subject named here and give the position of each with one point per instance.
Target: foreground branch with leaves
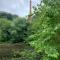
(46, 28)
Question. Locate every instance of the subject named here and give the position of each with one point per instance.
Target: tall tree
(46, 28)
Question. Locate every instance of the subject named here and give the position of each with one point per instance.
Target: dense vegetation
(46, 28)
(13, 29)
(43, 34)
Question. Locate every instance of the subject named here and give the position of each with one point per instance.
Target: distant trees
(7, 15)
(12, 28)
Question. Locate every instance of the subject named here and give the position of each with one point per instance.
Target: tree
(13, 31)
(19, 30)
(4, 29)
(8, 16)
(46, 28)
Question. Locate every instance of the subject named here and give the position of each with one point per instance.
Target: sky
(18, 7)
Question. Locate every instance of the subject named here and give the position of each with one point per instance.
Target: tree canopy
(46, 28)
(12, 30)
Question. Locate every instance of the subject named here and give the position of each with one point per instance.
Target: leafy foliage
(46, 28)
(13, 31)
(4, 30)
(44, 35)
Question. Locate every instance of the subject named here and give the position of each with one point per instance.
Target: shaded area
(19, 51)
